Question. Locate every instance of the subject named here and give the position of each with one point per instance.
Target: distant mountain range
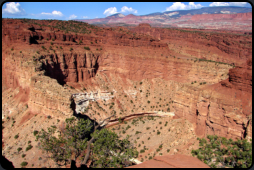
(231, 15)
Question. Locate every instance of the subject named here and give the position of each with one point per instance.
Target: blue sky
(91, 10)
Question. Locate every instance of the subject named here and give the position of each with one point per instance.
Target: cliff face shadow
(33, 40)
(5, 163)
(54, 71)
(84, 117)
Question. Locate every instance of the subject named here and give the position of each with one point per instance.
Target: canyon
(53, 70)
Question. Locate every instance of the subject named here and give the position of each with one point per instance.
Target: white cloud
(13, 8)
(130, 10)
(229, 4)
(72, 16)
(54, 13)
(85, 16)
(110, 11)
(182, 6)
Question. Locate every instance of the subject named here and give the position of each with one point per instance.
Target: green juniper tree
(219, 152)
(103, 147)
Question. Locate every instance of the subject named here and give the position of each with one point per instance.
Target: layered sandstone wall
(223, 109)
(49, 98)
(70, 67)
(235, 47)
(136, 68)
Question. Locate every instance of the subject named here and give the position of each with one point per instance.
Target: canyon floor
(169, 86)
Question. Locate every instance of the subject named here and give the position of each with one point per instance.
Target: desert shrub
(35, 132)
(61, 47)
(86, 48)
(16, 136)
(158, 132)
(23, 155)
(137, 132)
(71, 49)
(142, 150)
(29, 147)
(168, 150)
(23, 163)
(19, 149)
